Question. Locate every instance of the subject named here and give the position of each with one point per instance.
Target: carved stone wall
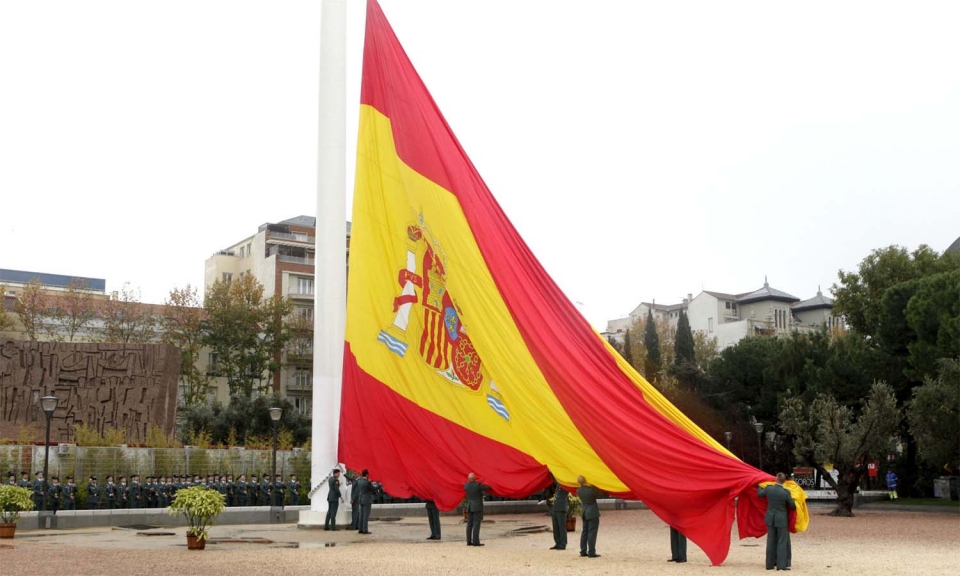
(100, 385)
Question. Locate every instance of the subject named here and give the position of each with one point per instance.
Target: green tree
(934, 416)
(933, 314)
(826, 432)
(743, 383)
(651, 341)
(243, 419)
(684, 349)
(246, 332)
(627, 347)
(858, 294)
(181, 325)
(126, 320)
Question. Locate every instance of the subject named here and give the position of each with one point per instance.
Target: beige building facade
(281, 257)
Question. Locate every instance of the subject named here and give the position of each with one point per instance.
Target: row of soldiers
(158, 491)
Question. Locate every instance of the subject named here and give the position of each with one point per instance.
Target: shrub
(13, 501)
(200, 505)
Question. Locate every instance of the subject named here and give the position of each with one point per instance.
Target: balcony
(300, 294)
(296, 259)
(290, 236)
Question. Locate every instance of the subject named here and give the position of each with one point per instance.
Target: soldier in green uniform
(54, 494)
(266, 490)
(110, 491)
(433, 517)
(231, 490)
(365, 491)
(294, 488)
(39, 496)
(241, 490)
(279, 491)
(779, 501)
(591, 518)
(334, 498)
(11, 479)
(70, 495)
(678, 546)
(253, 489)
(24, 480)
(558, 513)
(474, 491)
(137, 496)
(93, 493)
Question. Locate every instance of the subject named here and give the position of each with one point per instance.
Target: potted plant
(574, 509)
(13, 501)
(200, 505)
(466, 509)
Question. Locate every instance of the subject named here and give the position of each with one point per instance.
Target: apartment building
(281, 257)
(730, 317)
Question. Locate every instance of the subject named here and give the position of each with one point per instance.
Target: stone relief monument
(102, 386)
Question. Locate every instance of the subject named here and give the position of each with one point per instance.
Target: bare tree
(127, 320)
(181, 325)
(72, 311)
(6, 319)
(32, 309)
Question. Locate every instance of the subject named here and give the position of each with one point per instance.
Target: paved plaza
(630, 541)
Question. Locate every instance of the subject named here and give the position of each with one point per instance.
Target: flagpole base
(314, 519)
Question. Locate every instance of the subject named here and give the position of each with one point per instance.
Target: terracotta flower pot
(8, 529)
(194, 543)
(572, 524)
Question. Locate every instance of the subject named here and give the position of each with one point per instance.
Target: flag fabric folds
(462, 355)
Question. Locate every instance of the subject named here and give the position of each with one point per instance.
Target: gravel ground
(630, 541)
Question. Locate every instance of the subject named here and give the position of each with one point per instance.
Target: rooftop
(767, 293)
(50, 280)
(818, 301)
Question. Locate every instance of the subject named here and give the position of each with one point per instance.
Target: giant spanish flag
(462, 355)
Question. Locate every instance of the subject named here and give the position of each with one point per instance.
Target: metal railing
(294, 237)
(295, 259)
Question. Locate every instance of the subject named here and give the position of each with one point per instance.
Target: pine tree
(683, 346)
(627, 348)
(651, 341)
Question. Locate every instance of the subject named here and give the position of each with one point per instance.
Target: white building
(732, 317)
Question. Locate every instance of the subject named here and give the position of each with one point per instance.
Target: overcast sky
(642, 149)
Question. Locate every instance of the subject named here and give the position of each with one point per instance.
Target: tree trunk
(845, 486)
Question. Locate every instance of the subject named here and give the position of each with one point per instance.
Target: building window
(212, 360)
(304, 312)
(304, 285)
(709, 324)
(300, 236)
(249, 249)
(227, 276)
(303, 405)
(728, 305)
(302, 378)
(734, 306)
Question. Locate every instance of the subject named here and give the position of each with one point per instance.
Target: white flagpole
(330, 305)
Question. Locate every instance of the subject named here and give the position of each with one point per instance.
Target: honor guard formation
(159, 491)
(156, 491)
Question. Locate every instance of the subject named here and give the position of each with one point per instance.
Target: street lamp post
(49, 406)
(275, 414)
(728, 436)
(759, 428)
